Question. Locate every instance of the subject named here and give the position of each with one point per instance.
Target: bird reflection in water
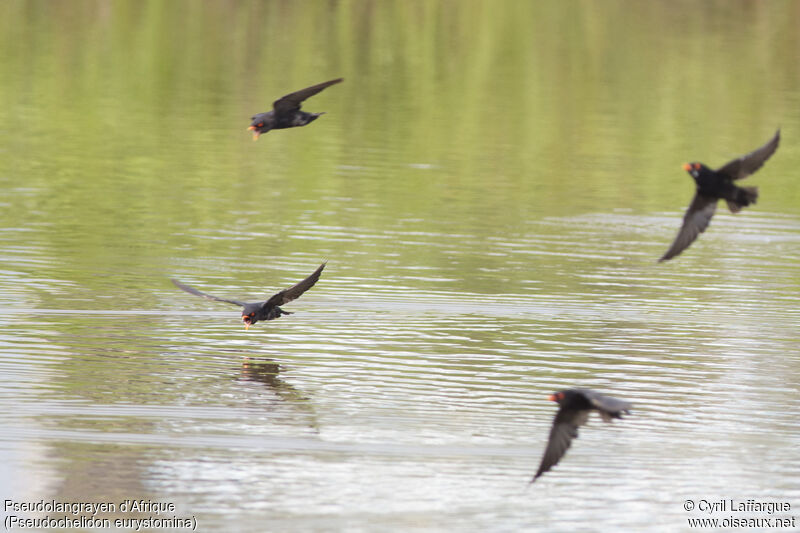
(266, 371)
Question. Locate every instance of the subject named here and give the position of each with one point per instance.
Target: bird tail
(308, 118)
(275, 312)
(743, 197)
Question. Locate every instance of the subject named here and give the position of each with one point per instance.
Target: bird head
(557, 396)
(695, 169)
(260, 124)
(568, 397)
(249, 316)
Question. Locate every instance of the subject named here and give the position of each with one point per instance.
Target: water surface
(491, 188)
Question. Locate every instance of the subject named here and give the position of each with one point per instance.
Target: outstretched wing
(292, 293)
(749, 163)
(192, 290)
(565, 428)
(291, 102)
(695, 222)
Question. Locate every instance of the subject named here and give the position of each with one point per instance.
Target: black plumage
(268, 310)
(575, 406)
(714, 185)
(286, 111)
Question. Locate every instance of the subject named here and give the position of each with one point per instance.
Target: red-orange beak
(255, 133)
(687, 167)
(552, 398)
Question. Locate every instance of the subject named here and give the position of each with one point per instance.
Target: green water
(491, 187)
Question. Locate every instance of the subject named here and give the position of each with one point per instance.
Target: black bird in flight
(286, 111)
(269, 310)
(714, 185)
(575, 407)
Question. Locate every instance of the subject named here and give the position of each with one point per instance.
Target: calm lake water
(491, 187)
